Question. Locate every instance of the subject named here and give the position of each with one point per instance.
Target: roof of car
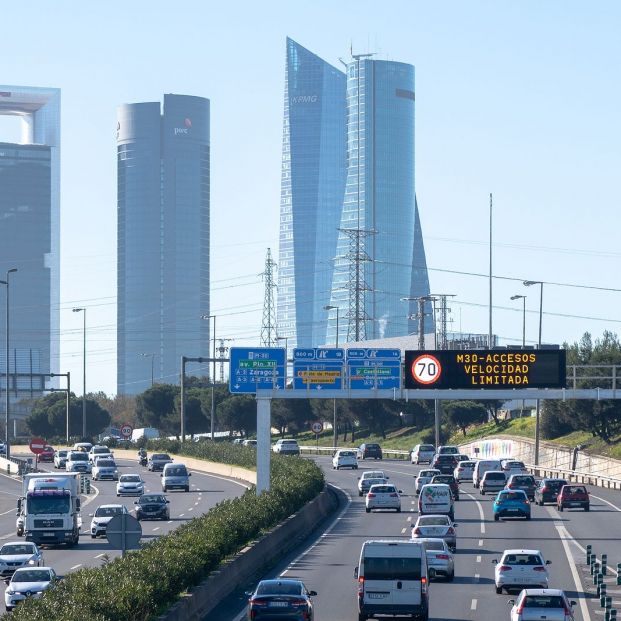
(543, 592)
(522, 552)
(110, 506)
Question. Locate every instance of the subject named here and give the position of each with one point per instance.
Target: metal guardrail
(576, 476)
(329, 450)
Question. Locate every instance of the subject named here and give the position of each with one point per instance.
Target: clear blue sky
(516, 98)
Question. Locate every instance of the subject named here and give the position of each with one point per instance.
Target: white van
(392, 579)
(437, 499)
(481, 467)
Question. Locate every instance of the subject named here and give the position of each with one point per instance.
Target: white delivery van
(481, 467)
(437, 499)
(392, 579)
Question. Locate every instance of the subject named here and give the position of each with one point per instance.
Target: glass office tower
(312, 187)
(163, 239)
(29, 241)
(380, 255)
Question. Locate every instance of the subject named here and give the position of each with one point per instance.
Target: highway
(326, 565)
(205, 491)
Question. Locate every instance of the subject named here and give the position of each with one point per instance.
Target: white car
(28, 582)
(130, 485)
(77, 461)
(60, 458)
(367, 475)
(422, 452)
(286, 447)
(99, 451)
(383, 496)
(105, 469)
(16, 554)
(440, 560)
(102, 516)
(424, 477)
(536, 604)
(521, 569)
(345, 459)
(463, 471)
(492, 481)
(436, 526)
(512, 466)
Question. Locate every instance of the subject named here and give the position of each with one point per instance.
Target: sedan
(28, 582)
(451, 481)
(102, 516)
(157, 461)
(383, 496)
(105, 469)
(152, 507)
(547, 490)
(424, 477)
(368, 478)
(130, 485)
(345, 459)
(16, 554)
(47, 454)
(520, 569)
(536, 604)
(440, 561)
(511, 503)
(436, 526)
(281, 599)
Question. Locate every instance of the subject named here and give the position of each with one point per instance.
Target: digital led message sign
(485, 368)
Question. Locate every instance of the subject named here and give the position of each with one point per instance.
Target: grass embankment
(403, 438)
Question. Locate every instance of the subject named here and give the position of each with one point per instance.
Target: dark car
(281, 599)
(370, 451)
(448, 479)
(547, 490)
(445, 463)
(152, 507)
(157, 461)
(573, 496)
(47, 454)
(525, 482)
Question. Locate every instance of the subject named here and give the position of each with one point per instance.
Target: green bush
(147, 582)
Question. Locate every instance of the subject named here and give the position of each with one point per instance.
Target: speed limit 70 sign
(424, 369)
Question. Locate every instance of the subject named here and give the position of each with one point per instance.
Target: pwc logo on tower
(184, 130)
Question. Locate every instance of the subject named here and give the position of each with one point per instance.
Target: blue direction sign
(374, 368)
(318, 368)
(256, 368)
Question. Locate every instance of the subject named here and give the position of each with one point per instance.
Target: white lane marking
(170, 521)
(481, 514)
(403, 530)
(196, 503)
(215, 476)
(608, 503)
(100, 555)
(583, 550)
(410, 519)
(480, 543)
(9, 511)
(156, 528)
(181, 514)
(76, 566)
(477, 577)
(478, 558)
(564, 536)
(473, 605)
(191, 509)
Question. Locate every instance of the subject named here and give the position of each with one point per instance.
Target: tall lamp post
(7, 403)
(83, 310)
(213, 374)
(334, 435)
(523, 298)
(529, 283)
(152, 357)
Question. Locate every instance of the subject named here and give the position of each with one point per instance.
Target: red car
(573, 496)
(47, 454)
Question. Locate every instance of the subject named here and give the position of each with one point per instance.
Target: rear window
(433, 520)
(543, 601)
(445, 458)
(426, 447)
(378, 568)
(176, 471)
(512, 496)
(522, 559)
(276, 587)
(555, 484)
(160, 456)
(383, 489)
(372, 446)
(346, 454)
(525, 480)
(78, 457)
(574, 489)
(433, 545)
(494, 475)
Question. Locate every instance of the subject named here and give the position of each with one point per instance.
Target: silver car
(437, 527)
(440, 561)
(16, 554)
(492, 481)
(464, 470)
(365, 484)
(424, 477)
(422, 452)
(537, 604)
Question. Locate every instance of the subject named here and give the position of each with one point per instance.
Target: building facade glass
(163, 239)
(312, 187)
(380, 256)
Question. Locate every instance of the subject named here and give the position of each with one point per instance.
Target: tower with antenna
(222, 350)
(268, 325)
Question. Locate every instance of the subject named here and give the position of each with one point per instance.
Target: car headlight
(31, 562)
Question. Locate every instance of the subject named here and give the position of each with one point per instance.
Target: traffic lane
(10, 491)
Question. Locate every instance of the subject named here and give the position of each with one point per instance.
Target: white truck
(49, 508)
(150, 433)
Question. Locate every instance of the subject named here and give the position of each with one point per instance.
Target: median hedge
(148, 581)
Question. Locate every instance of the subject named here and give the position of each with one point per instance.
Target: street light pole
(83, 310)
(7, 403)
(213, 375)
(152, 357)
(334, 434)
(528, 283)
(523, 298)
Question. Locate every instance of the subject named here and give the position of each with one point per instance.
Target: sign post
(123, 532)
(317, 428)
(126, 431)
(36, 446)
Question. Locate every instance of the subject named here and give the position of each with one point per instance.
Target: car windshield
(177, 471)
(130, 478)
(543, 601)
(40, 505)
(108, 511)
(433, 520)
(32, 575)
(522, 559)
(289, 442)
(372, 446)
(105, 463)
(16, 548)
(152, 498)
(278, 587)
(159, 456)
(79, 457)
(61, 453)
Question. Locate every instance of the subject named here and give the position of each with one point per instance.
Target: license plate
(48, 534)
(573, 504)
(277, 604)
(376, 595)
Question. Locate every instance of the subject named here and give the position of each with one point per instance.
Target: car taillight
(257, 602)
(527, 501)
(520, 608)
(297, 602)
(394, 495)
(450, 531)
(444, 557)
(540, 568)
(545, 489)
(360, 586)
(370, 495)
(423, 584)
(416, 531)
(511, 486)
(504, 568)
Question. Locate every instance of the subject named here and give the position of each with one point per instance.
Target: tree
(238, 414)
(462, 414)
(122, 408)
(155, 406)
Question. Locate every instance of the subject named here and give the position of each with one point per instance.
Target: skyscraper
(312, 187)
(163, 238)
(380, 255)
(30, 236)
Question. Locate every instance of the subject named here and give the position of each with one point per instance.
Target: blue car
(511, 503)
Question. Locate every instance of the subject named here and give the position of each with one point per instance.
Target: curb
(202, 599)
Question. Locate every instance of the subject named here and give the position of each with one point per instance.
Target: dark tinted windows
(376, 568)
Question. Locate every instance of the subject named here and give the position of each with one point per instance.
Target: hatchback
(370, 451)
(463, 471)
(512, 466)
(16, 554)
(492, 481)
(547, 490)
(445, 463)
(511, 503)
(572, 496)
(383, 496)
(537, 604)
(520, 569)
(422, 453)
(102, 516)
(424, 477)
(345, 459)
(436, 526)
(28, 582)
(525, 482)
(281, 599)
(130, 485)
(440, 561)
(449, 480)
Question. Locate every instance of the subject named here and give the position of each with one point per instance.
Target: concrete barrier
(246, 565)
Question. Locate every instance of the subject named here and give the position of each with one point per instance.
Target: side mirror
(311, 593)
(401, 491)
(189, 474)
(356, 572)
(511, 602)
(494, 562)
(136, 502)
(548, 562)
(77, 504)
(455, 525)
(168, 502)
(161, 475)
(7, 581)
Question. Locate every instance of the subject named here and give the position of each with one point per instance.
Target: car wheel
(482, 493)
(187, 489)
(560, 507)
(355, 467)
(164, 489)
(9, 608)
(496, 518)
(586, 508)
(359, 493)
(361, 617)
(456, 497)
(118, 495)
(432, 574)
(93, 536)
(498, 590)
(451, 577)
(399, 510)
(367, 510)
